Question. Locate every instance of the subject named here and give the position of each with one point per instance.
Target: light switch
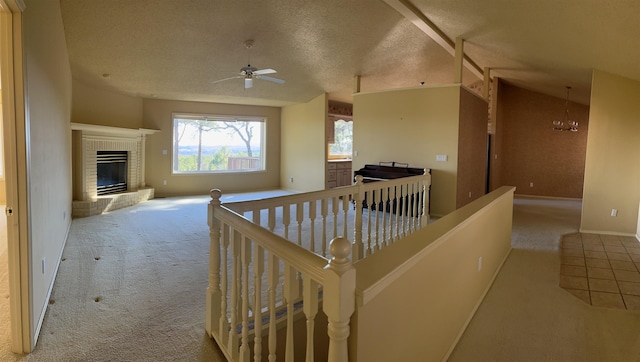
(441, 158)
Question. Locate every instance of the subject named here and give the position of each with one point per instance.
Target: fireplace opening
(112, 172)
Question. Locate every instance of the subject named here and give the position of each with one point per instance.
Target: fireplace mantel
(97, 130)
(88, 139)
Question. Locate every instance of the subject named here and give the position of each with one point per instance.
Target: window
(204, 144)
(342, 139)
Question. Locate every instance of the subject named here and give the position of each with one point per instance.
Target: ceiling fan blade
(271, 79)
(264, 71)
(222, 80)
(248, 83)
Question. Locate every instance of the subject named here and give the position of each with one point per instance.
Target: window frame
(335, 119)
(176, 116)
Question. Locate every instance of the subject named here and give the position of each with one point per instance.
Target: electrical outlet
(441, 158)
(469, 194)
(479, 263)
(165, 152)
(291, 179)
(614, 212)
(164, 182)
(530, 184)
(44, 264)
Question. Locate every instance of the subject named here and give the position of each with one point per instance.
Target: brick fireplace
(87, 141)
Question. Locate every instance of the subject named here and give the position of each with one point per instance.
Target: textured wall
(472, 148)
(532, 151)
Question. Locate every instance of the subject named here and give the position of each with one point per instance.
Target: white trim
(15, 152)
(106, 131)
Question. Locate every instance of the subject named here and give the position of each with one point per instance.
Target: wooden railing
(269, 269)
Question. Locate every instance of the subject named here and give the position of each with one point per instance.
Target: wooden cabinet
(338, 174)
(330, 130)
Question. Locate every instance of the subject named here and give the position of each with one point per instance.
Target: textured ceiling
(176, 49)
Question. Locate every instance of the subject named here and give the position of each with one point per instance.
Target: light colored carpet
(132, 288)
(526, 316)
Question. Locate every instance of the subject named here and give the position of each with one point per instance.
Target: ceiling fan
(250, 73)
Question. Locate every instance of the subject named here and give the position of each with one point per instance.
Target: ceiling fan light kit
(250, 73)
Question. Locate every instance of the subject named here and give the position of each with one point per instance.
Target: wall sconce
(566, 125)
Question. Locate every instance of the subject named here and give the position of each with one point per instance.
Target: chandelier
(566, 124)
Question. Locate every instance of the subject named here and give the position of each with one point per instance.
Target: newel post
(213, 289)
(358, 246)
(339, 298)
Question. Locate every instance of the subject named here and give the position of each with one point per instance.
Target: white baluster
(245, 260)
(385, 201)
(378, 204)
(300, 219)
(358, 196)
(334, 209)
(286, 219)
(235, 284)
(223, 325)
(272, 218)
(312, 217)
(324, 211)
(258, 270)
(339, 298)
(214, 294)
(371, 198)
(291, 293)
(273, 275)
(345, 215)
(310, 307)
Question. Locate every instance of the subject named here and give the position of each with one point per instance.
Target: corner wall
(612, 171)
(412, 126)
(304, 149)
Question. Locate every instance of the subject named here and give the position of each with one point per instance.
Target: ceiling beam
(413, 14)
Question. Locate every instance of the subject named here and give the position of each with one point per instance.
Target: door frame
(15, 151)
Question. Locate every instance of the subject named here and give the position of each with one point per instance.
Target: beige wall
(612, 171)
(48, 105)
(92, 105)
(532, 151)
(3, 192)
(303, 151)
(412, 126)
(443, 261)
(158, 115)
(472, 148)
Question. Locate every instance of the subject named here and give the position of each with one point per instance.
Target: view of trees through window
(215, 144)
(342, 139)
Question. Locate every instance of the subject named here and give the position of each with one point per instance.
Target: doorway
(14, 307)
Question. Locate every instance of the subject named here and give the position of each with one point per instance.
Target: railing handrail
(298, 257)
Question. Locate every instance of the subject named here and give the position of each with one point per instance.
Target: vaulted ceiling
(171, 49)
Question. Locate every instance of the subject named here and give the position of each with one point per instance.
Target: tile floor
(602, 270)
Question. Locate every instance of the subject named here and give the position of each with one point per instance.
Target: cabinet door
(330, 130)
